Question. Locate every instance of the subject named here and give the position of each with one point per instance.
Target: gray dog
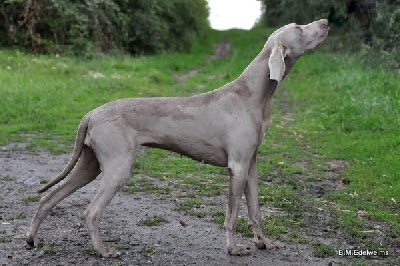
(223, 127)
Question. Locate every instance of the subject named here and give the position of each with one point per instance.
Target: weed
(322, 250)
(8, 178)
(149, 250)
(32, 198)
(153, 221)
(89, 249)
(218, 216)
(198, 214)
(350, 224)
(17, 216)
(361, 262)
(190, 204)
(119, 246)
(48, 248)
(243, 227)
(5, 240)
(144, 185)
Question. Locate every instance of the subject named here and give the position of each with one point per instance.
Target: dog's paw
(30, 241)
(265, 244)
(109, 253)
(33, 241)
(238, 250)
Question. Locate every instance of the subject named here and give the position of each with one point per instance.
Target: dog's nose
(323, 23)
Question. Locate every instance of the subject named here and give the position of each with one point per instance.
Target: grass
(329, 109)
(358, 121)
(5, 240)
(191, 204)
(153, 221)
(35, 198)
(48, 248)
(194, 207)
(149, 250)
(218, 216)
(137, 184)
(17, 216)
(322, 250)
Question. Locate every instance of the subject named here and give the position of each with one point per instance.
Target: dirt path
(201, 242)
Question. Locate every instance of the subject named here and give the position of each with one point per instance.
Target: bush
(385, 46)
(156, 25)
(87, 26)
(278, 13)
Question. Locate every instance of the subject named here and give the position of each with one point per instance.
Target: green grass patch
(35, 198)
(48, 248)
(136, 184)
(353, 114)
(150, 250)
(190, 205)
(5, 240)
(322, 250)
(44, 181)
(153, 221)
(243, 227)
(17, 216)
(194, 207)
(185, 176)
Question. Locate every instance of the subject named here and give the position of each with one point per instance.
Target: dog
(223, 127)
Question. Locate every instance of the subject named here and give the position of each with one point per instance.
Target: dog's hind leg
(85, 171)
(115, 152)
(115, 174)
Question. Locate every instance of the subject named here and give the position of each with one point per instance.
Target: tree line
(155, 26)
(85, 26)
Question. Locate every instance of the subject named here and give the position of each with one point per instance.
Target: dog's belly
(202, 152)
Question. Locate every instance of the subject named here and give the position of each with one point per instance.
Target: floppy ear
(276, 63)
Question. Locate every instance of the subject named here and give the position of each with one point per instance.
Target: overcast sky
(228, 14)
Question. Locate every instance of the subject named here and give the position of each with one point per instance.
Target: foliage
(157, 25)
(84, 27)
(385, 30)
(277, 13)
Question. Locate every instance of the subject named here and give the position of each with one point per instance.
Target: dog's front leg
(253, 207)
(238, 176)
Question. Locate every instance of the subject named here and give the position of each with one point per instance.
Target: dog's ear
(276, 63)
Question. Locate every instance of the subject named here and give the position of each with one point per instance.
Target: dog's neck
(257, 76)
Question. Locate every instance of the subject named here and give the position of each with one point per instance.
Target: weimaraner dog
(223, 127)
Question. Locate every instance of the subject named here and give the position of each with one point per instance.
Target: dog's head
(288, 43)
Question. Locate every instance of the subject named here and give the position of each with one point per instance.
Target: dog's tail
(79, 142)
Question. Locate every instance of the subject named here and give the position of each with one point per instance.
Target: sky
(228, 14)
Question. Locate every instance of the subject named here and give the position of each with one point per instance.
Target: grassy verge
(328, 166)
